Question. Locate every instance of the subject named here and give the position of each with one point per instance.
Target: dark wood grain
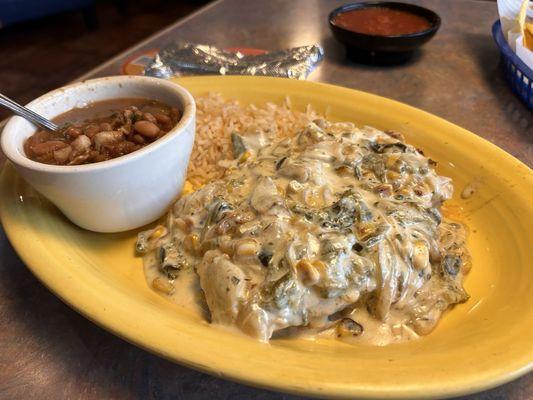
(48, 351)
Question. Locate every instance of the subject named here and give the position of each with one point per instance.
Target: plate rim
(251, 379)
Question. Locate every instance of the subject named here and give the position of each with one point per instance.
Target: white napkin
(508, 11)
(523, 52)
(513, 26)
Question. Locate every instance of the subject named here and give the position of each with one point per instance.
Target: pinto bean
(47, 147)
(174, 113)
(162, 118)
(106, 137)
(106, 126)
(100, 157)
(73, 132)
(138, 139)
(62, 155)
(120, 148)
(149, 117)
(79, 159)
(81, 144)
(146, 129)
(39, 137)
(91, 130)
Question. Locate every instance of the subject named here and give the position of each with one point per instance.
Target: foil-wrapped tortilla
(179, 59)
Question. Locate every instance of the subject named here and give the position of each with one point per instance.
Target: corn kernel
(244, 217)
(403, 193)
(187, 188)
(349, 149)
(247, 247)
(191, 243)
(158, 232)
(163, 286)
(226, 225)
(310, 198)
(384, 190)
(307, 273)
(391, 160)
(348, 327)
(420, 255)
(185, 225)
(226, 246)
(420, 190)
(467, 265)
(343, 170)
(365, 228)
(245, 156)
(320, 265)
(393, 176)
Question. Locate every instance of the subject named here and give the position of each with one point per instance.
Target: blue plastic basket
(519, 76)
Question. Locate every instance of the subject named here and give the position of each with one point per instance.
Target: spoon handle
(27, 114)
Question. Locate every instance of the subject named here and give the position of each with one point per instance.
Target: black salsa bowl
(378, 49)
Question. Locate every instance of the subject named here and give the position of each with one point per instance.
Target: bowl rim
(11, 127)
(435, 24)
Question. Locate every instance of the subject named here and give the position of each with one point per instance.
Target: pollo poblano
(337, 229)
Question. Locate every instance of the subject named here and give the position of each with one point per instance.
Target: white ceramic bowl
(123, 193)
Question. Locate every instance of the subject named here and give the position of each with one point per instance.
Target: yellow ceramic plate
(478, 345)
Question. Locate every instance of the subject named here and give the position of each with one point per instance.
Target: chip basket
(519, 76)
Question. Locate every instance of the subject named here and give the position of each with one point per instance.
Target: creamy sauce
(187, 291)
(336, 232)
(376, 332)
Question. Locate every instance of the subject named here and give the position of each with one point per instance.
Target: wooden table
(48, 351)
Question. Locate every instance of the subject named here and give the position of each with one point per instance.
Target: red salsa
(381, 21)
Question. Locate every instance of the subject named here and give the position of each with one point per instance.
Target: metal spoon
(28, 114)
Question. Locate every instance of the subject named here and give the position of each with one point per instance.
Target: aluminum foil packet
(178, 59)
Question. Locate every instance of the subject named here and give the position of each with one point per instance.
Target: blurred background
(46, 43)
